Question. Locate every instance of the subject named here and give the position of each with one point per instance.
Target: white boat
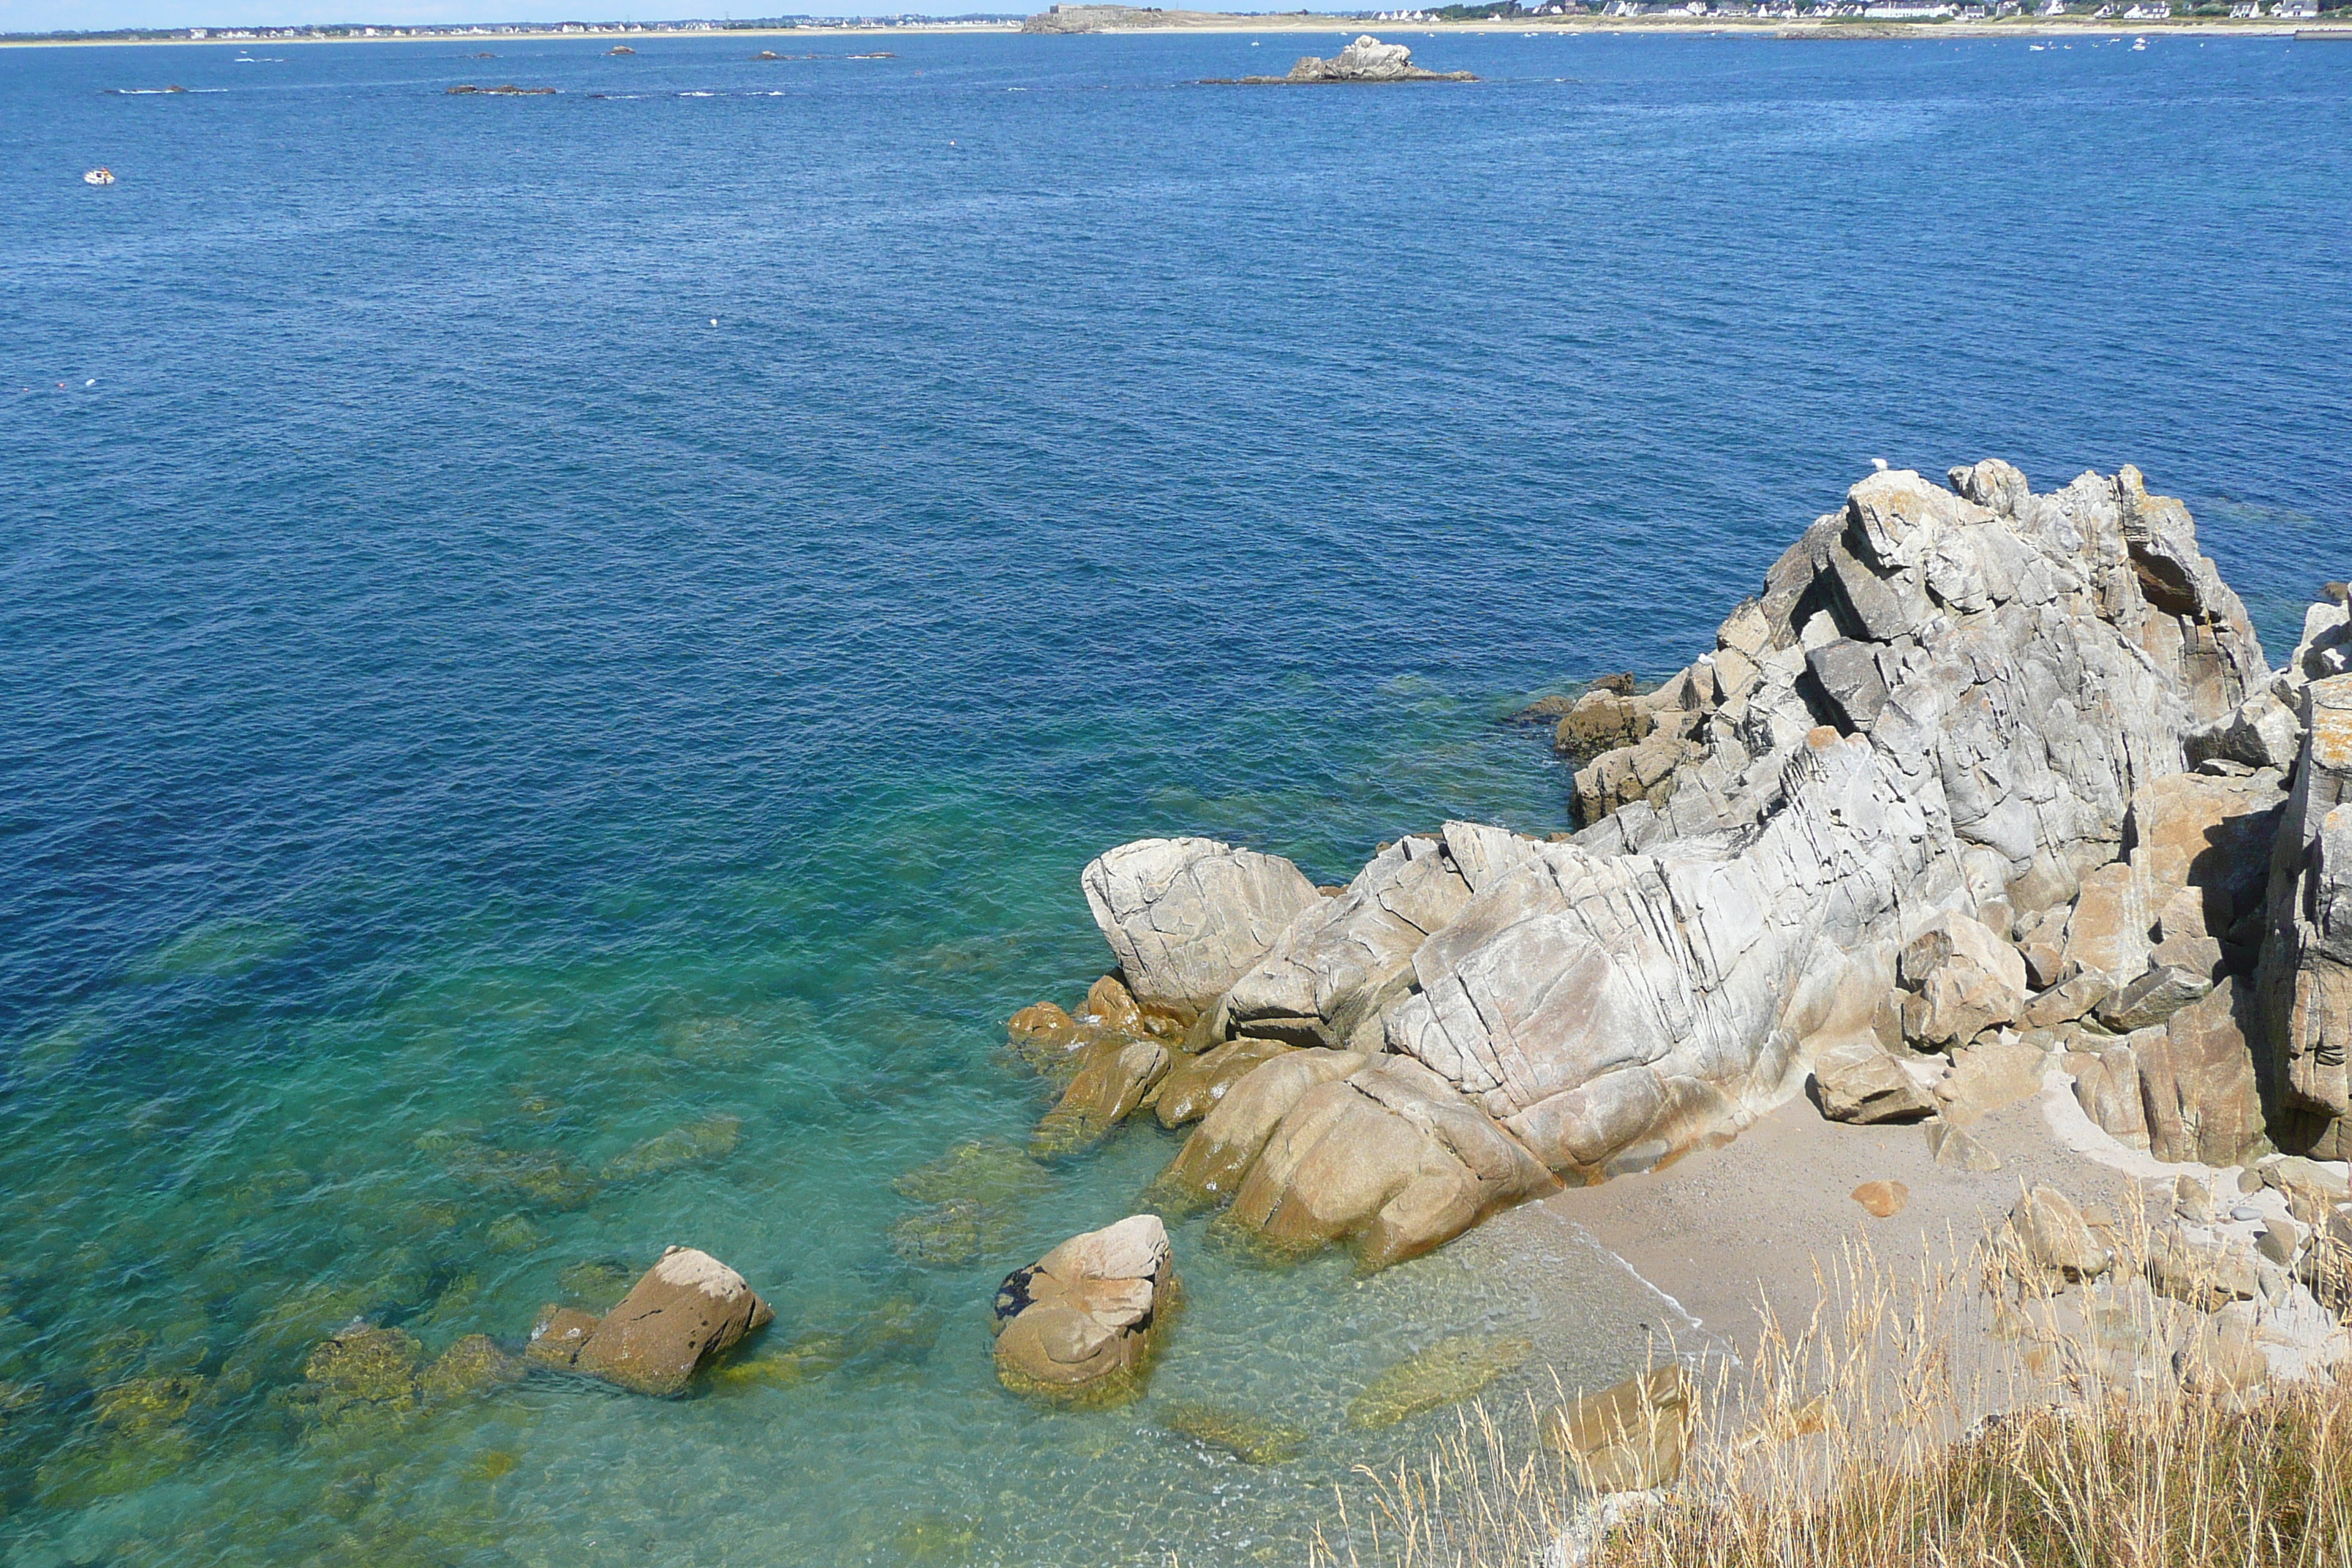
(97, 177)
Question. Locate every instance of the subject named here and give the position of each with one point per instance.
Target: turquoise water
(502, 773)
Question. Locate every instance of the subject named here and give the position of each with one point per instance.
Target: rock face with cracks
(1949, 721)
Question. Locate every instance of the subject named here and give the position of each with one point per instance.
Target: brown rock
(1195, 1084)
(2065, 1002)
(2109, 932)
(1391, 1157)
(2055, 1238)
(1859, 1083)
(1955, 1149)
(2198, 1272)
(1109, 1002)
(2152, 998)
(1210, 1166)
(1884, 1200)
(1964, 980)
(1600, 720)
(685, 1310)
(2220, 1356)
(2107, 1085)
(1081, 1324)
(2197, 1083)
(1112, 1081)
(557, 1336)
(1630, 1438)
(1990, 1073)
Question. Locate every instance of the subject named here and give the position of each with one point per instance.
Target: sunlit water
(535, 623)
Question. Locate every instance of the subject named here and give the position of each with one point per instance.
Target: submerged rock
(712, 1138)
(1630, 1437)
(1447, 1373)
(1081, 1324)
(1253, 1439)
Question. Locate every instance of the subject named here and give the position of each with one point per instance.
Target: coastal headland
(1985, 852)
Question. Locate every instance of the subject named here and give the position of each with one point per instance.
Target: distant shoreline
(1796, 29)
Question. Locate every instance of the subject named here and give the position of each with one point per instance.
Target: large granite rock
(1944, 702)
(1341, 960)
(2305, 975)
(1188, 917)
(1081, 1323)
(687, 1310)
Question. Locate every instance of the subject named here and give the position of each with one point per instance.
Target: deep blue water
(529, 623)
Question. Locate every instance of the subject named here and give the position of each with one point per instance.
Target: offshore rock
(1368, 59)
(2305, 973)
(1186, 916)
(1081, 1323)
(1600, 1005)
(687, 1310)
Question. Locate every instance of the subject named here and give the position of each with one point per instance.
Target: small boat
(97, 177)
(2138, 44)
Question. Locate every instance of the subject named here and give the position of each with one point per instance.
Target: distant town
(1669, 11)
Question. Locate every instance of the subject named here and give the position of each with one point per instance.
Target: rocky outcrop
(1366, 60)
(1187, 917)
(686, 1311)
(1929, 783)
(2305, 976)
(1082, 1322)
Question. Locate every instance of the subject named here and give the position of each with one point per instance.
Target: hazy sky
(97, 16)
(52, 16)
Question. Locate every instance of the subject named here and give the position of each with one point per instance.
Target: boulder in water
(687, 1310)
(1080, 1324)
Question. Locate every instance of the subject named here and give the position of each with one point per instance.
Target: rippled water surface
(560, 657)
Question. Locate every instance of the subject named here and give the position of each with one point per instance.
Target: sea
(561, 655)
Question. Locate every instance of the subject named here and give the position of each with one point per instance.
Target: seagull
(1878, 465)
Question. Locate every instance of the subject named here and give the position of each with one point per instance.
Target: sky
(95, 16)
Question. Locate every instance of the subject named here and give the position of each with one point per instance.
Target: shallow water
(469, 718)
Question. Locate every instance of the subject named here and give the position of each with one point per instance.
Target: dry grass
(1929, 1421)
